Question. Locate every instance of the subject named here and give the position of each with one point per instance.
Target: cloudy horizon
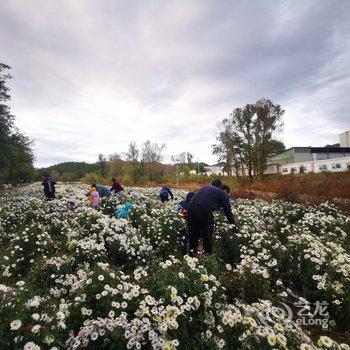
(92, 76)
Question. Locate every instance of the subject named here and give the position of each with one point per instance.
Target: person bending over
(94, 198)
(116, 186)
(165, 194)
(217, 183)
(200, 216)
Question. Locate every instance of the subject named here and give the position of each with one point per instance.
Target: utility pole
(177, 174)
(175, 159)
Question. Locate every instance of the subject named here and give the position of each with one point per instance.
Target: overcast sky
(91, 76)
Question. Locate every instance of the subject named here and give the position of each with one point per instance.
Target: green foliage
(68, 171)
(16, 156)
(245, 140)
(93, 178)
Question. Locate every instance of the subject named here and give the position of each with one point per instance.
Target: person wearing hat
(71, 206)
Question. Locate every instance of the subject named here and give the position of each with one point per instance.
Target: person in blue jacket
(103, 191)
(165, 194)
(123, 212)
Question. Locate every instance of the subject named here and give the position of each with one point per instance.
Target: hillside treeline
(16, 156)
(132, 171)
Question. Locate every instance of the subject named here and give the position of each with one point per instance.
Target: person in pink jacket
(94, 198)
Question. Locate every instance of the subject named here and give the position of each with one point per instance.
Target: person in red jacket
(116, 185)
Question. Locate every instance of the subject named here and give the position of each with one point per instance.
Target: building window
(320, 156)
(336, 166)
(322, 167)
(285, 170)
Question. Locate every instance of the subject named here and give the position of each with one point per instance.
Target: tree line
(16, 155)
(137, 166)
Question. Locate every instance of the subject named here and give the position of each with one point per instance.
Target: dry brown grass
(299, 188)
(330, 185)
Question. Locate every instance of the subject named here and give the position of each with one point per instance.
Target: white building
(344, 139)
(312, 159)
(216, 169)
(317, 166)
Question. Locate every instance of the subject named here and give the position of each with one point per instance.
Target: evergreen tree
(16, 156)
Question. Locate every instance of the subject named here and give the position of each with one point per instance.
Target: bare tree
(229, 147)
(181, 158)
(102, 160)
(133, 155)
(152, 152)
(114, 157)
(151, 155)
(115, 165)
(189, 157)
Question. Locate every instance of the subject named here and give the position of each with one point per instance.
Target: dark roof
(327, 149)
(220, 164)
(289, 151)
(336, 145)
(330, 149)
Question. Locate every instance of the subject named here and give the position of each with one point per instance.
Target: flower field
(85, 279)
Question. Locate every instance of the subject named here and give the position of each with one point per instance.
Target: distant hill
(74, 171)
(77, 169)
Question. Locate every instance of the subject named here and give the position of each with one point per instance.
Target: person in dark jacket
(116, 186)
(227, 190)
(165, 194)
(217, 183)
(49, 187)
(182, 211)
(200, 216)
(185, 203)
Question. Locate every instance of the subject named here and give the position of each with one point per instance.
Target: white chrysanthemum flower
(31, 346)
(36, 328)
(271, 338)
(15, 325)
(325, 341)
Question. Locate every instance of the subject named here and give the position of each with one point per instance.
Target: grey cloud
(109, 72)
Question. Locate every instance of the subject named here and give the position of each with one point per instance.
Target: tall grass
(332, 185)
